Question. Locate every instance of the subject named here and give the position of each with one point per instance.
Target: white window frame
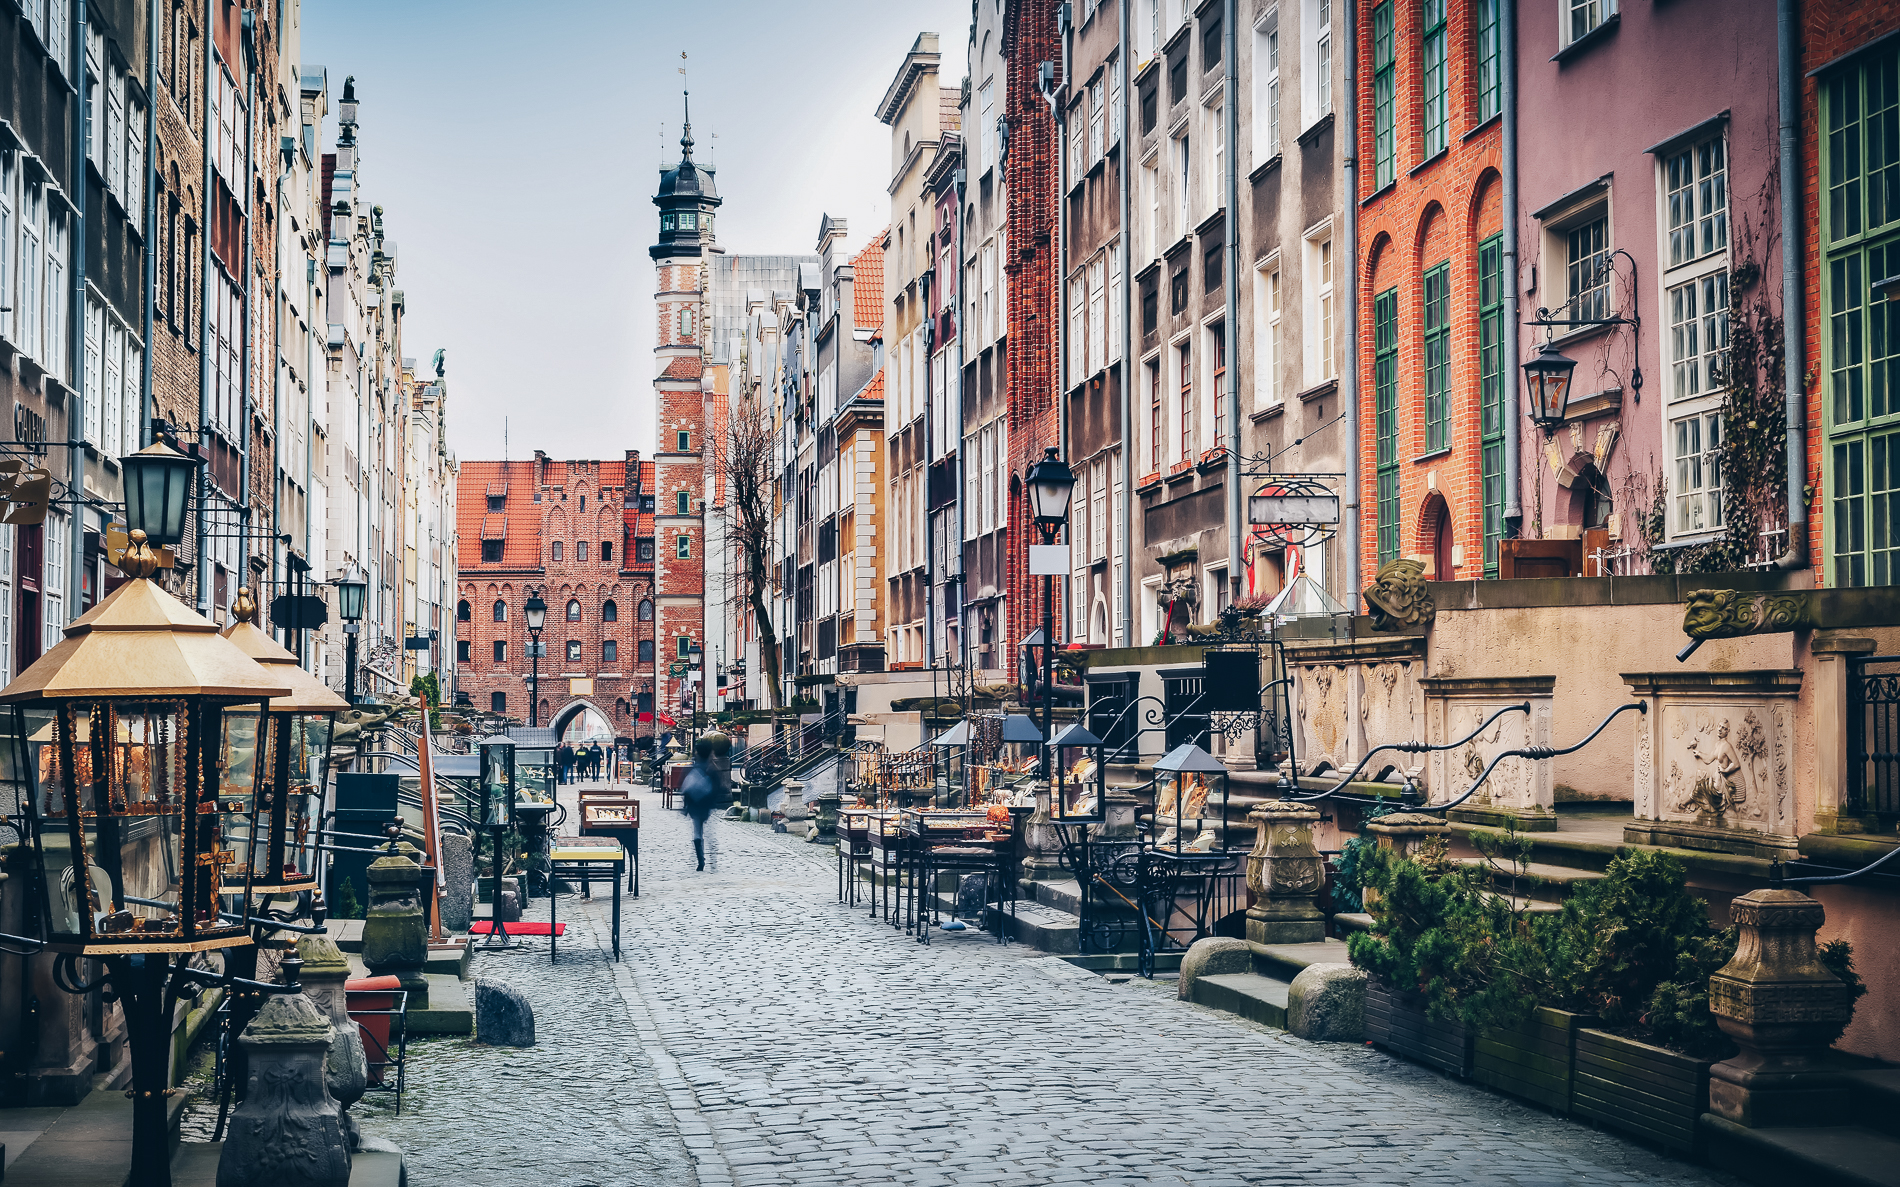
(1316, 61)
(1098, 123)
(1182, 148)
(1577, 19)
(1114, 305)
(1078, 326)
(1266, 87)
(1695, 478)
(1098, 314)
(1695, 337)
(986, 122)
(988, 256)
(1214, 191)
(1268, 293)
(1320, 360)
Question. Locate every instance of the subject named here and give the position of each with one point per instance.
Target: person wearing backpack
(700, 792)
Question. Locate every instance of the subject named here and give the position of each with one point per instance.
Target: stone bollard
(1327, 1004)
(825, 810)
(1213, 956)
(346, 1068)
(395, 936)
(1784, 1009)
(1402, 834)
(795, 806)
(458, 877)
(287, 1133)
(1283, 870)
(503, 1017)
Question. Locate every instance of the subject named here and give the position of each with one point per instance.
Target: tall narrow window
(1098, 314)
(1266, 90)
(1154, 418)
(1698, 335)
(1385, 404)
(1384, 152)
(1489, 61)
(1183, 174)
(1078, 328)
(1697, 182)
(1491, 393)
(1077, 132)
(1437, 333)
(1187, 401)
(1432, 57)
(1589, 270)
(1215, 191)
(1098, 123)
(986, 121)
(1323, 59)
(1217, 390)
(1698, 487)
(1114, 306)
(683, 503)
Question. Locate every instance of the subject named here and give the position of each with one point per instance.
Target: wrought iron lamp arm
(1536, 752)
(1411, 748)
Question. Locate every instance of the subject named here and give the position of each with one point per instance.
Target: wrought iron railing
(803, 745)
(1873, 735)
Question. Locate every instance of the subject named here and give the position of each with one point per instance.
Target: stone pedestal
(458, 874)
(1402, 834)
(1784, 1009)
(1834, 810)
(287, 1133)
(395, 935)
(1042, 858)
(1520, 791)
(346, 1068)
(1714, 764)
(1356, 695)
(1283, 870)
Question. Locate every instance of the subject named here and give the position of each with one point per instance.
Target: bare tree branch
(744, 461)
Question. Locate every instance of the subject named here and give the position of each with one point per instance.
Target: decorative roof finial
(686, 103)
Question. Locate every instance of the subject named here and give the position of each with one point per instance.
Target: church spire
(686, 103)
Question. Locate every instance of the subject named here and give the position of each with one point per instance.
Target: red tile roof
(686, 366)
(517, 525)
(867, 284)
(873, 390)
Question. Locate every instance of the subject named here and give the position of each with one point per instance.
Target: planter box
(1397, 1022)
(1644, 1091)
(1534, 1061)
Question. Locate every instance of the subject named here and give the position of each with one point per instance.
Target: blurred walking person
(703, 789)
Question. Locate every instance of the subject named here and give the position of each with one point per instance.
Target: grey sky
(515, 147)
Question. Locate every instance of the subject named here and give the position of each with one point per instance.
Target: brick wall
(1030, 39)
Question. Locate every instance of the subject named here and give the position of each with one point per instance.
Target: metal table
(616, 818)
(589, 863)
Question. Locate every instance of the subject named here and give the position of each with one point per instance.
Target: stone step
(1542, 882)
(1044, 928)
(1876, 1094)
(1284, 962)
(1822, 1156)
(1250, 995)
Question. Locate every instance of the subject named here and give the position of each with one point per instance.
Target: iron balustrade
(1536, 752)
(1286, 785)
(1873, 735)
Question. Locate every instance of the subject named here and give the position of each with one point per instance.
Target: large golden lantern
(295, 755)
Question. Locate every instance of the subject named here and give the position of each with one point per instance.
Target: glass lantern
(120, 736)
(534, 770)
(953, 744)
(1079, 785)
(1190, 790)
(498, 781)
(295, 763)
(1022, 743)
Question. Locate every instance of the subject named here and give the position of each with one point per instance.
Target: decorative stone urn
(1042, 844)
(287, 1133)
(346, 1068)
(1283, 870)
(395, 934)
(1402, 834)
(1784, 1009)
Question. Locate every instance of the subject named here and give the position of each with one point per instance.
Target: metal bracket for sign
(1291, 509)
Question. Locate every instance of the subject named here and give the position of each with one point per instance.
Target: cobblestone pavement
(758, 1033)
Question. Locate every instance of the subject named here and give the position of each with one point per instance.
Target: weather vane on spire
(686, 104)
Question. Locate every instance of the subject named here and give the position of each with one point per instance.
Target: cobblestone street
(759, 1033)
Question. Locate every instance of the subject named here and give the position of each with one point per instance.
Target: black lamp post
(158, 481)
(1049, 484)
(352, 590)
(696, 656)
(536, 612)
(1547, 378)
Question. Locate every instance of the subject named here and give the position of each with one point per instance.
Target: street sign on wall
(1300, 509)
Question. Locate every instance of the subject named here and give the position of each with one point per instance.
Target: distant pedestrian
(594, 759)
(564, 754)
(700, 793)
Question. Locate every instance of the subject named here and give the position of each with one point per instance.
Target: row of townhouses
(184, 258)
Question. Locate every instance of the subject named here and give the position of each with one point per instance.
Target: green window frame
(1490, 61)
(1385, 400)
(1436, 324)
(684, 504)
(1491, 393)
(1433, 79)
(1384, 154)
(1860, 213)
(683, 548)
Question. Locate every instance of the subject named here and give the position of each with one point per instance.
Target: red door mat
(481, 927)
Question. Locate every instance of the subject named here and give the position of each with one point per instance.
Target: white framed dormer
(1692, 226)
(1318, 60)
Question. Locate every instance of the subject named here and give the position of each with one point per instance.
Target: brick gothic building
(580, 533)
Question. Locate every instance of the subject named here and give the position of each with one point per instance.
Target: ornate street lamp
(1186, 778)
(1547, 380)
(283, 859)
(536, 612)
(158, 484)
(117, 737)
(1049, 485)
(352, 591)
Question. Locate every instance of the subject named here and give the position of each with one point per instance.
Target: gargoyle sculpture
(1397, 597)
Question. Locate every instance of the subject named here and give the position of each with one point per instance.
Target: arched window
(501, 611)
(573, 651)
(461, 611)
(609, 612)
(646, 610)
(573, 610)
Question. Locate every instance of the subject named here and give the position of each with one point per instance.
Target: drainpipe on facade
(1061, 302)
(1349, 228)
(204, 322)
(960, 182)
(76, 332)
(1513, 501)
(1126, 508)
(248, 31)
(1788, 66)
(1231, 330)
(149, 220)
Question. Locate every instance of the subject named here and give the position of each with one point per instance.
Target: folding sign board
(1301, 509)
